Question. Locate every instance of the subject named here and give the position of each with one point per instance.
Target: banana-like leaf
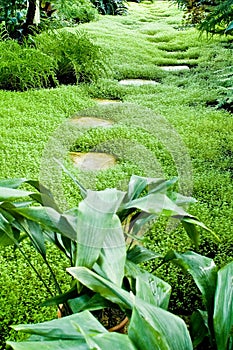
(138, 254)
(165, 323)
(45, 216)
(65, 327)
(35, 233)
(137, 226)
(135, 187)
(8, 236)
(199, 328)
(79, 344)
(108, 341)
(155, 328)
(189, 222)
(99, 229)
(161, 185)
(156, 203)
(12, 183)
(102, 286)
(149, 287)
(153, 290)
(9, 194)
(85, 302)
(204, 273)
(223, 307)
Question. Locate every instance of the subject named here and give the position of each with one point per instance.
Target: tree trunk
(33, 9)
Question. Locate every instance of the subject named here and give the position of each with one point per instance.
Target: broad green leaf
(35, 233)
(135, 187)
(107, 341)
(149, 287)
(85, 302)
(9, 194)
(193, 221)
(154, 328)
(138, 254)
(62, 298)
(166, 323)
(102, 286)
(199, 327)
(12, 183)
(46, 217)
(223, 307)
(153, 290)
(229, 28)
(156, 203)
(64, 328)
(138, 226)
(192, 232)
(79, 344)
(111, 261)
(161, 185)
(99, 227)
(204, 273)
(8, 236)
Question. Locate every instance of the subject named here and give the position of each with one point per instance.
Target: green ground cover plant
(188, 102)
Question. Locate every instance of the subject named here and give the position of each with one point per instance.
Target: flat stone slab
(91, 122)
(138, 82)
(92, 160)
(105, 101)
(174, 68)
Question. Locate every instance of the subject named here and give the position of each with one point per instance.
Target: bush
(210, 16)
(78, 59)
(81, 11)
(53, 60)
(23, 68)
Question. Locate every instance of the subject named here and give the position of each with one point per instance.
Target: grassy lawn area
(171, 128)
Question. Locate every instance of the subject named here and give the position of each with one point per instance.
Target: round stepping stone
(174, 68)
(104, 101)
(92, 161)
(138, 82)
(91, 122)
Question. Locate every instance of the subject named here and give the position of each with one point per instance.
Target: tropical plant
(216, 322)
(105, 267)
(92, 235)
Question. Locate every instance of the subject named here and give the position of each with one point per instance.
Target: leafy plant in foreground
(105, 215)
(216, 322)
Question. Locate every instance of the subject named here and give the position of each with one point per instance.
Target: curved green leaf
(9, 194)
(100, 235)
(199, 327)
(79, 344)
(138, 254)
(223, 310)
(154, 328)
(204, 273)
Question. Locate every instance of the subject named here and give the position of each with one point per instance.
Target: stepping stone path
(138, 82)
(174, 68)
(91, 122)
(92, 161)
(104, 101)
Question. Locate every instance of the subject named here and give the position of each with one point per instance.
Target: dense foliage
(51, 61)
(212, 17)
